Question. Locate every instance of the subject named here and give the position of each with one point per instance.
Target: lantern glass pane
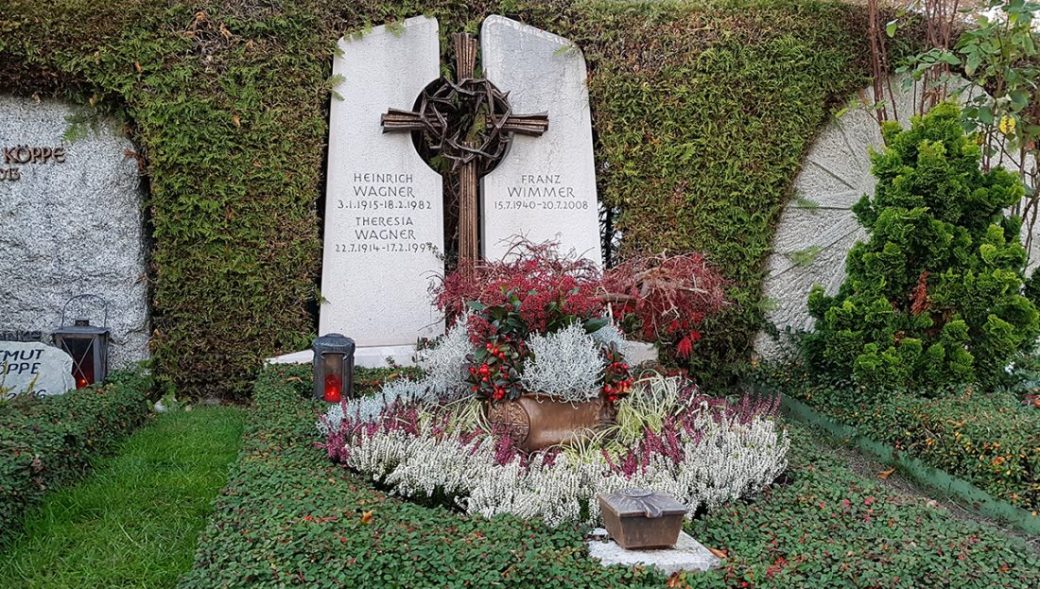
(82, 352)
(333, 374)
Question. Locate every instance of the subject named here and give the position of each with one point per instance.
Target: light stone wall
(71, 227)
(817, 227)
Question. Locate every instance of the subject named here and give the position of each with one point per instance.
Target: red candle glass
(333, 366)
(333, 388)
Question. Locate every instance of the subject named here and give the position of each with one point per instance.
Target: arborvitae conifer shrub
(933, 297)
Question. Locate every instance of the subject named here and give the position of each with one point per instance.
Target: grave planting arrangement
(529, 406)
(290, 515)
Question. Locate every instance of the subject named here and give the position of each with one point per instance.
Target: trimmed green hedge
(49, 442)
(702, 114)
(988, 439)
(290, 517)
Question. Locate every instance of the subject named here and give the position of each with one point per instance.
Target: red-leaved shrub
(552, 289)
(656, 299)
(665, 299)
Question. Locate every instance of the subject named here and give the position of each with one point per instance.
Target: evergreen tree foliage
(933, 297)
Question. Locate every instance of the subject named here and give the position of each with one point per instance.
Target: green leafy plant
(998, 53)
(988, 438)
(933, 297)
(806, 256)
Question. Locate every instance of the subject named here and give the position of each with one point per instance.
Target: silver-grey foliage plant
(565, 364)
(445, 364)
(609, 335)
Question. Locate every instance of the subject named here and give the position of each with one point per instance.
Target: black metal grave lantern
(333, 367)
(86, 343)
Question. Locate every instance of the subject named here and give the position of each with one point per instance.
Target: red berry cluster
(494, 371)
(617, 379)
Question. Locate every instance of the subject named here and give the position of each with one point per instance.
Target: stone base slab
(687, 555)
(637, 353)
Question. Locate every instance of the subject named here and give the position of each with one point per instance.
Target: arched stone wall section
(817, 227)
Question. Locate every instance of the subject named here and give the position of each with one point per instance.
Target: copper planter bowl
(638, 519)
(536, 421)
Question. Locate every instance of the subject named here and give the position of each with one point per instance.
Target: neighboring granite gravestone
(33, 367)
(384, 225)
(17, 335)
(71, 214)
(545, 187)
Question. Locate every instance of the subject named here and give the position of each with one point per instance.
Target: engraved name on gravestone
(545, 187)
(16, 156)
(34, 367)
(21, 336)
(384, 226)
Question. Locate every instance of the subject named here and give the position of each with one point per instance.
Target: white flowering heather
(419, 465)
(719, 453)
(368, 408)
(565, 364)
(730, 461)
(445, 364)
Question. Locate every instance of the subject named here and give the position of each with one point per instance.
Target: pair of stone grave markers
(384, 212)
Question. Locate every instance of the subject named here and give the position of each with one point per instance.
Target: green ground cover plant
(290, 517)
(831, 527)
(134, 521)
(702, 113)
(47, 443)
(988, 438)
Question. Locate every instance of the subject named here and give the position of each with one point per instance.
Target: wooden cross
(468, 154)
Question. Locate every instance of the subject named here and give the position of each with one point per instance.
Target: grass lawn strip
(49, 442)
(134, 521)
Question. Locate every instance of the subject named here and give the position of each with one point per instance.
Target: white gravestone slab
(384, 226)
(545, 187)
(33, 367)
